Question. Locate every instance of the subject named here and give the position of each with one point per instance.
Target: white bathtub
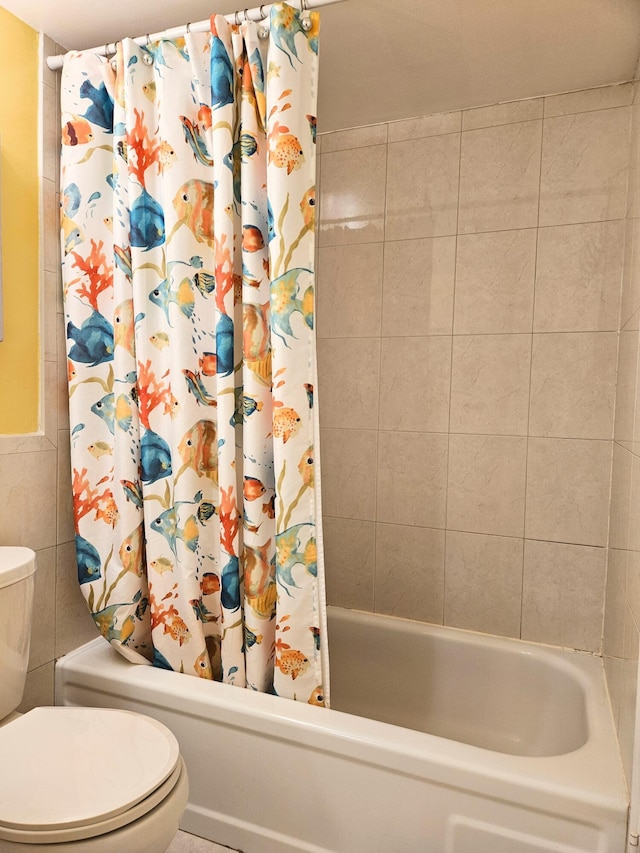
(452, 742)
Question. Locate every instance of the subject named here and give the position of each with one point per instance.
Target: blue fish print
(224, 346)
(196, 387)
(166, 524)
(88, 560)
(105, 409)
(221, 75)
(147, 222)
(155, 458)
(101, 110)
(93, 341)
(230, 592)
(271, 231)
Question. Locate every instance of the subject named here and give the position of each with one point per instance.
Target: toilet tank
(17, 568)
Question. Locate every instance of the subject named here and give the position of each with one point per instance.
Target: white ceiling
(391, 59)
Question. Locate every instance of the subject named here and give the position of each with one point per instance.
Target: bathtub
(438, 740)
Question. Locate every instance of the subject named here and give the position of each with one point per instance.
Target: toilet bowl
(79, 780)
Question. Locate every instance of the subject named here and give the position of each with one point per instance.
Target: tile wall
(470, 269)
(622, 613)
(34, 469)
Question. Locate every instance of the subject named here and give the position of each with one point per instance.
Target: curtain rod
(256, 14)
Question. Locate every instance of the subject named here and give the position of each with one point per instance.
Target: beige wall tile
(409, 578)
(483, 583)
(418, 287)
(349, 552)
(613, 634)
(62, 384)
(632, 588)
(27, 487)
(38, 689)
(499, 177)
(626, 723)
(433, 125)
(349, 380)
(573, 384)
(50, 132)
(633, 196)
(490, 384)
(349, 462)
(49, 315)
(626, 382)
(494, 282)
(65, 522)
(589, 99)
(562, 595)
(486, 484)
(350, 291)
(613, 668)
(415, 380)
(578, 277)
(631, 272)
(352, 196)
(44, 609)
(516, 111)
(74, 625)
(412, 478)
(621, 471)
(50, 235)
(584, 167)
(422, 199)
(634, 505)
(355, 137)
(568, 490)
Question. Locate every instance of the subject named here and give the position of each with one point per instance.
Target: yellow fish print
(123, 326)
(308, 208)
(160, 340)
(166, 157)
(305, 466)
(100, 448)
(259, 580)
(256, 341)
(202, 666)
(161, 565)
(285, 149)
(317, 697)
(177, 628)
(132, 551)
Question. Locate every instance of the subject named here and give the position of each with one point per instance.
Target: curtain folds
(187, 228)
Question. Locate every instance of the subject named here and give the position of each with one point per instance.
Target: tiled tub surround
(470, 270)
(622, 612)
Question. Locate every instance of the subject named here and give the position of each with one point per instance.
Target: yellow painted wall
(19, 351)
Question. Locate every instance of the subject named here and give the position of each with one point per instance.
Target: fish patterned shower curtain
(188, 220)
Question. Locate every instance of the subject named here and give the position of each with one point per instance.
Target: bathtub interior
(508, 697)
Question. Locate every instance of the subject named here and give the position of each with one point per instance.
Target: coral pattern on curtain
(188, 219)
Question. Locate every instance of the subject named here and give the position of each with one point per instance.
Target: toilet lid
(66, 767)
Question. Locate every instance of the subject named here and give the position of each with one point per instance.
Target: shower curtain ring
(246, 15)
(148, 39)
(188, 28)
(236, 17)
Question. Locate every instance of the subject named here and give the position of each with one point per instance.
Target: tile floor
(185, 843)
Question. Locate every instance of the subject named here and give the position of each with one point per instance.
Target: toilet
(78, 780)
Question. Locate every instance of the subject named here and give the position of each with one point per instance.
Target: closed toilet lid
(66, 767)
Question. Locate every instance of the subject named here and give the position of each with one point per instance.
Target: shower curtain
(187, 228)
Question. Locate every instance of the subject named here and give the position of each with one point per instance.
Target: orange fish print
(177, 628)
(317, 697)
(259, 579)
(285, 151)
(202, 666)
(210, 583)
(252, 489)
(198, 450)
(286, 423)
(71, 371)
(193, 204)
(308, 208)
(305, 466)
(256, 339)
(208, 363)
(292, 662)
(204, 116)
(76, 132)
(269, 509)
(252, 239)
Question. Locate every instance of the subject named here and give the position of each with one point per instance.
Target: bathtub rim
(559, 782)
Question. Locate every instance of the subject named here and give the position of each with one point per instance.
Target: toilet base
(150, 833)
